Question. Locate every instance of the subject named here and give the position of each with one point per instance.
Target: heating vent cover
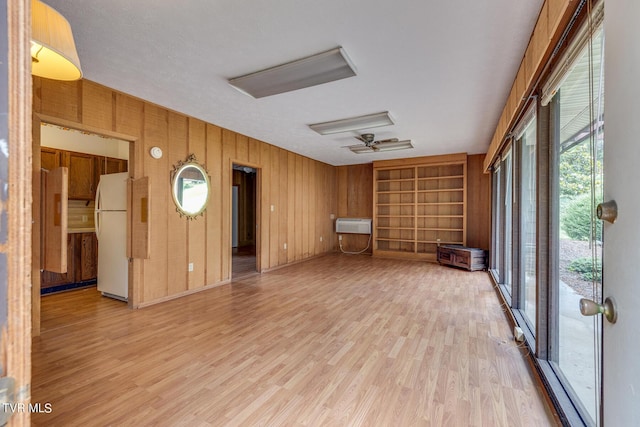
(353, 225)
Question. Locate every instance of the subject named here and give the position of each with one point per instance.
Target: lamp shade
(53, 51)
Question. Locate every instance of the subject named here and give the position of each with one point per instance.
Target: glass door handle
(607, 211)
(591, 308)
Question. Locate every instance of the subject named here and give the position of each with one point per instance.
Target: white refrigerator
(111, 231)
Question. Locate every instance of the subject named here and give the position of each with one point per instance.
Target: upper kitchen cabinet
(82, 175)
(84, 169)
(110, 165)
(50, 158)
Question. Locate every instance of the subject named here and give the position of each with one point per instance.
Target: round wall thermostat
(156, 152)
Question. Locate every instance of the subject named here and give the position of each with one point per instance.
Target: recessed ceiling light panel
(313, 70)
(353, 123)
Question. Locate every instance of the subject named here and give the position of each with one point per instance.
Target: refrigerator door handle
(96, 212)
(98, 204)
(96, 222)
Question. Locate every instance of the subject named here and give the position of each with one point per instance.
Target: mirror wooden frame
(178, 169)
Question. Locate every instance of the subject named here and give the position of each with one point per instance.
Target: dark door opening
(243, 221)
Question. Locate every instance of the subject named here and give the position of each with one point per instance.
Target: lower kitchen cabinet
(86, 256)
(82, 261)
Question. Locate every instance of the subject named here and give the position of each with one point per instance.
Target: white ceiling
(443, 69)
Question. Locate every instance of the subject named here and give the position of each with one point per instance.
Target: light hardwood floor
(337, 340)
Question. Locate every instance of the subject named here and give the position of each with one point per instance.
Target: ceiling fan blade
(360, 149)
(394, 145)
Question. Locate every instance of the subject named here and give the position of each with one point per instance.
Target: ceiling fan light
(53, 51)
(313, 70)
(353, 123)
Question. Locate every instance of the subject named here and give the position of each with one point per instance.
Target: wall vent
(353, 225)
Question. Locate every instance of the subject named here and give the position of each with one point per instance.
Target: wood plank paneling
(298, 221)
(478, 203)
(60, 99)
(242, 149)
(197, 228)
(291, 207)
(311, 208)
(228, 153)
(305, 209)
(97, 106)
(355, 200)
(275, 200)
(155, 134)
(213, 215)
(265, 207)
(177, 231)
(301, 189)
(254, 152)
(283, 218)
(129, 113)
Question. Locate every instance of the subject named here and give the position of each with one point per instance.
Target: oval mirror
(190, 188)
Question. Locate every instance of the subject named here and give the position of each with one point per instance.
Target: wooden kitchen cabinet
(50, 158)
(109, 165)
(112, 165)
(82, 175)
(82, 261)
(86, 256)
(84, 169)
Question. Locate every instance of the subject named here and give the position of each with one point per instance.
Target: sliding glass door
(527, 226)
(577, 140)
(550, 175)
(502, 258)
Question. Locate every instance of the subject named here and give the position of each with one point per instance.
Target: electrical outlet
(332, 216)
(321, 238)
(285, 246)
(84, 218)
(518, 335)
(190, 266)
(273, 208)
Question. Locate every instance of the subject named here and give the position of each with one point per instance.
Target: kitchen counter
(81, 230)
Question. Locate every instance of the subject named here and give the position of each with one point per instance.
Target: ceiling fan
(372, 145)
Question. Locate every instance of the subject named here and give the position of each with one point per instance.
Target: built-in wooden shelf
(419, 203)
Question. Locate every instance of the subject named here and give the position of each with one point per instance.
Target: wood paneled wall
(296, 195)
(355, 200)
(478, 203)
(553, 18)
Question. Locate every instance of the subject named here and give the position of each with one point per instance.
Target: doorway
(243, 221)
(87, 157)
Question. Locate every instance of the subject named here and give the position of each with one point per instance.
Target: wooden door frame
(258, 207)
(37, 120)
(16, 334)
